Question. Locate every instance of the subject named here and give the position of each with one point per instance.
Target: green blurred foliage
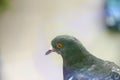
(3, 5)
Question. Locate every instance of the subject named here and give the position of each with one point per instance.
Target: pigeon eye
(59, 45)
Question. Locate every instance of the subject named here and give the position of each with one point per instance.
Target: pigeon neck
(78, 58)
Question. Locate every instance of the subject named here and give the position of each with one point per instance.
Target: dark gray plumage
(79, 64)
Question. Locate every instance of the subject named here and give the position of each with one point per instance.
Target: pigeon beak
(49, 51)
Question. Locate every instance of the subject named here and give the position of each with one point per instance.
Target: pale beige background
(27, 28)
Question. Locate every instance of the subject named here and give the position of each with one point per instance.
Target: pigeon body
(79, 64)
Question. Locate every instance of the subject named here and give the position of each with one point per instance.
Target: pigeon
(79, 64)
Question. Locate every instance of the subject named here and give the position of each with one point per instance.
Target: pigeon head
(65, 45)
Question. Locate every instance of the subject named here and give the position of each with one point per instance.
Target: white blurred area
(27, 28)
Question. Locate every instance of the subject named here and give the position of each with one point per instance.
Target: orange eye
(59, 45)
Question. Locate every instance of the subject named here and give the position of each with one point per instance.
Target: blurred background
(28, 26)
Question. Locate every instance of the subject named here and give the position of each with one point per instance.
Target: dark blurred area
(3, 5)
(112, 15)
